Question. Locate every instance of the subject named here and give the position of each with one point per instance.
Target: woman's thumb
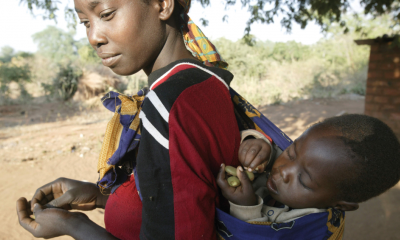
(62, 202)
(37, 208)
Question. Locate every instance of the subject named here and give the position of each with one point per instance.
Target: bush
(65, 83)
(15, 71)
(271, 73)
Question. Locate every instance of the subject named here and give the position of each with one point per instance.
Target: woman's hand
(254, 154)
(69, 194)
(243, 195)
(54, 222)
(48, 222)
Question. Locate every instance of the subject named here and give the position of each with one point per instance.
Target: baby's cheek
(295, 198)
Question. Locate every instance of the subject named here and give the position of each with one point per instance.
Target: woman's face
(126, 34)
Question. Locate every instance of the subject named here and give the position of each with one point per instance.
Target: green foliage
(6, 54)
(270, 73)
(301, 12)
(290, 51)
(65, 83)
(14, 68)
(86, 52)
(13, 72)
(56, 44)
(48, 6)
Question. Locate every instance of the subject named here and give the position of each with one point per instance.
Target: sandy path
(34, 152)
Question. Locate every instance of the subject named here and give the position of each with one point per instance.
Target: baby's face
(307, 173)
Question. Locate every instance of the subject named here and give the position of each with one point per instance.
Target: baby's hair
(374, 151)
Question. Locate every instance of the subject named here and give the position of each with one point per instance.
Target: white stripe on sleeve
(153, 131)
(158, 105)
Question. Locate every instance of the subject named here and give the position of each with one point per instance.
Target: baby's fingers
(253, 158)
(244, 179)
(260, 161)
(248, 153)
(221, 181)
(243, 149)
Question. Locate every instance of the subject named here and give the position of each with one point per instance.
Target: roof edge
(384, 39)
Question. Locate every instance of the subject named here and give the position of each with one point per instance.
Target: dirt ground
(39, 143)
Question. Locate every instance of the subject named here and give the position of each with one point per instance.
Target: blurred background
(297, 61)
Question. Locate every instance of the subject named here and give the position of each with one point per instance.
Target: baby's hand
(254, 154)
(243, 195)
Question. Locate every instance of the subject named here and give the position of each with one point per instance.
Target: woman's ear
(346, 206)
(166, 9)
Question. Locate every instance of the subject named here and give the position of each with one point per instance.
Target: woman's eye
(107, 16)
(86, 23)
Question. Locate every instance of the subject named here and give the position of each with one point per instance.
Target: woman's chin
(123, 71)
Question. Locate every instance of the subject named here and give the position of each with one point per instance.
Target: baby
(337, 163)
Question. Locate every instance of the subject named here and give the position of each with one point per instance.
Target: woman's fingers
(64, 201)
(47, 193)
(24, 212)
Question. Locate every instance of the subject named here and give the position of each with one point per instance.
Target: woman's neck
(173, 49)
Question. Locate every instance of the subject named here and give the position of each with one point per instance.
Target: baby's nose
(287, 172)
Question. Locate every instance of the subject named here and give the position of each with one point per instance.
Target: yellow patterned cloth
(197, 43)
(122, 134)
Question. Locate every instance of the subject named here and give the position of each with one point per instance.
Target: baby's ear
(346, 206)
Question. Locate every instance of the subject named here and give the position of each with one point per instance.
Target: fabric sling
(122, 137)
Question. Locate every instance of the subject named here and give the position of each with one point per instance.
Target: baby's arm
(255, 151)
(254, 154)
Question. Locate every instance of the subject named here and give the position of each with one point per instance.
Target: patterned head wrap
(196, 42)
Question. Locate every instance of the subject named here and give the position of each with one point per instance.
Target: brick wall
(382, 98)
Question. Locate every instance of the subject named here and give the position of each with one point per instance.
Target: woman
(188, 130)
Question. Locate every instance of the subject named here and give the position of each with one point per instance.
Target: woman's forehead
(89, 4)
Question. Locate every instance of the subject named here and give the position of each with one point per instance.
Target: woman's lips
(111, 61)
(271, 185)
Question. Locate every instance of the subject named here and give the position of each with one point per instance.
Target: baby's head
(338, 163)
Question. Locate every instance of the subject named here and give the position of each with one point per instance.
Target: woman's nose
(96, 36)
